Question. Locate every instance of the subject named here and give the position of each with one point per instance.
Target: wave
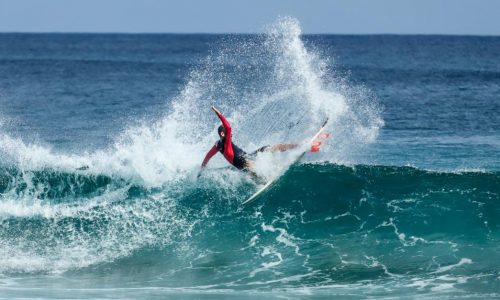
(321, 218)
(50, 184)
(271, 87)
(136, 205)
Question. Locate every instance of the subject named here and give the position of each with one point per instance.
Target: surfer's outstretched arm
(209, 155)
(226, 125)
(228, 145)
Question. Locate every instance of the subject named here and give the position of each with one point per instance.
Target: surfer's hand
(199, 173)
(215, 110)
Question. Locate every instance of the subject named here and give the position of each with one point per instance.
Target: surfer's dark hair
(221, 129)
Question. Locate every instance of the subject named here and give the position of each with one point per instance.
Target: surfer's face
(222, 134)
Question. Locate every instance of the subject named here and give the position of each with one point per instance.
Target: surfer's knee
(263, 149)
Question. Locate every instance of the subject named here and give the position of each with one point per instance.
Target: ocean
(102, 137)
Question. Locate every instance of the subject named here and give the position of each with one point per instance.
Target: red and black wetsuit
(233, 154)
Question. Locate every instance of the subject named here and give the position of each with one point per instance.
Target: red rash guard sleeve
(228, 148)
(209, 155)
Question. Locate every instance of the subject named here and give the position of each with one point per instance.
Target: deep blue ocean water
(102, 135)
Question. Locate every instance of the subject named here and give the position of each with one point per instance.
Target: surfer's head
(222, 132)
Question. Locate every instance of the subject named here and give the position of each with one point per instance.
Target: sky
(467, 17)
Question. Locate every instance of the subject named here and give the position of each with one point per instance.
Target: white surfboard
(268, 184)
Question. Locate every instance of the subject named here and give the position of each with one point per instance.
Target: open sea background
(102, 135)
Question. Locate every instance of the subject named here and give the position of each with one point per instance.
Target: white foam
(287, 98)
(296, 88)
(463, 261)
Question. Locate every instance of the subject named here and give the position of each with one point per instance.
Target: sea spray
(279, 92)
(66, 211)
(89, 209)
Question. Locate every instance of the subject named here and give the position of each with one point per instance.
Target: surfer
(234, 154)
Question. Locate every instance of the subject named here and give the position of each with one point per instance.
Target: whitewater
(100, 150)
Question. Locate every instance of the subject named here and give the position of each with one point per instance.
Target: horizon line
(244, 33)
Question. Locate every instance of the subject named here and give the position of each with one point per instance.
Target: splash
(274, 90)
(271, 87)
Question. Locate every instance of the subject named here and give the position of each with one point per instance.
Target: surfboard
(273, 180)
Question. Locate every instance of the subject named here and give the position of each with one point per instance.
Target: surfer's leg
(261, 149)
(250, 170)
(274, 148)
(248, 166)
(282, 147)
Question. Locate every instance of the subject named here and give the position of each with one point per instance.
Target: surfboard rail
(268, 184)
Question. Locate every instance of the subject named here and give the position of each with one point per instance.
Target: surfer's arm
(225, 123)
(228, 133)
(209, 155)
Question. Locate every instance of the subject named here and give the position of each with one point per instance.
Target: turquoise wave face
(320, 225)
